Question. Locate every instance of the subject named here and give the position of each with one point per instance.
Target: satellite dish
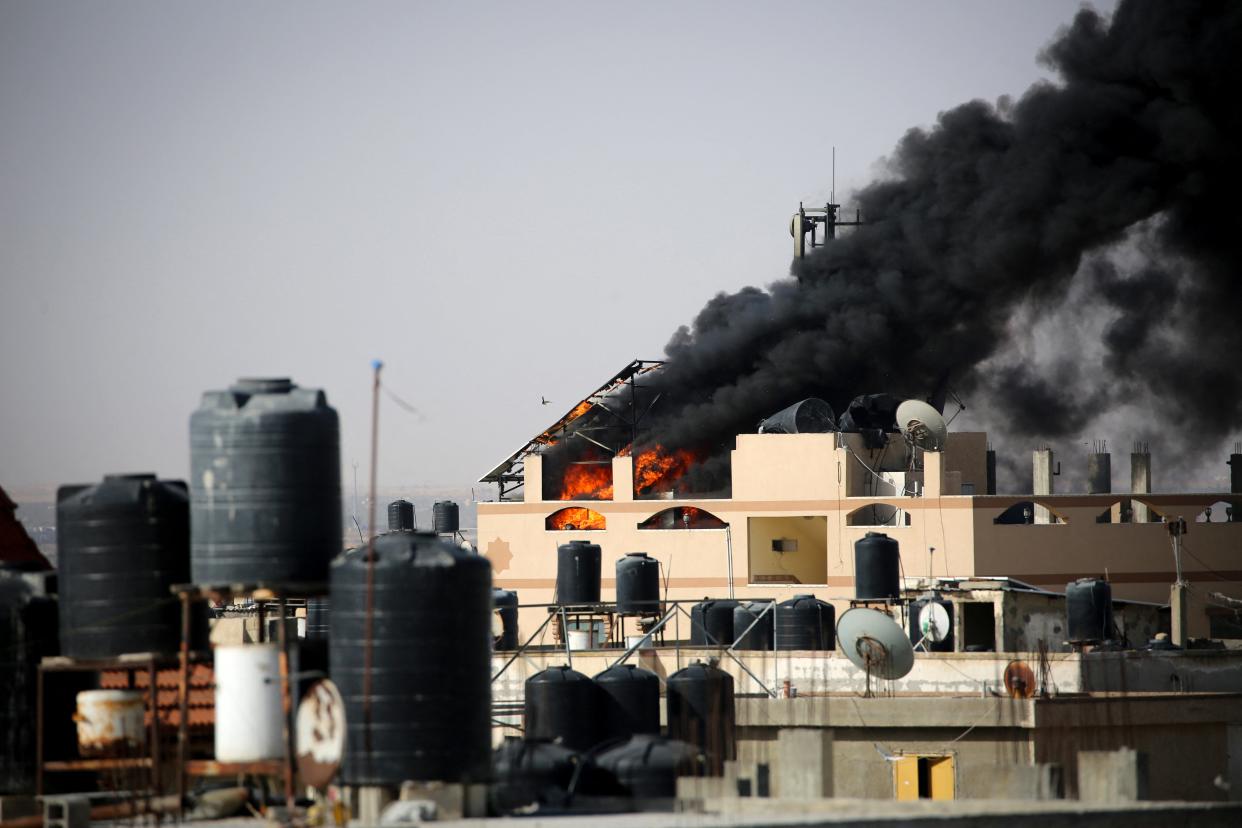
(1019, 680)
(875, 643)
(934, 623)
(320, 734)
(922, 425)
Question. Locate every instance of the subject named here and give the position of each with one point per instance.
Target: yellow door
(923, 777)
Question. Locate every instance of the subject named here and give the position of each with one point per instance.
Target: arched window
(574, 518)
(683, 517)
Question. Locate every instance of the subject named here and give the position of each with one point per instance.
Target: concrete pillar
(532, 472)
(1140, 482)
(623, 478)
(1041, 481)
(1112, 776)
(803, 766)
(1099, 473)
(1179, 612)
(991, 463)
(933, 474)
(369, 801)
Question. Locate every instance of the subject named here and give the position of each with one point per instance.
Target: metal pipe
(286, 702)
(368, 620)
(649, 633)
(569, 653)
(729, 548)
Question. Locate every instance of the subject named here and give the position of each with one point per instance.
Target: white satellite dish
(875, 643)
(922, 425)
(933, 622)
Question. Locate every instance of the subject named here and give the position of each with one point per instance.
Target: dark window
(978, 627)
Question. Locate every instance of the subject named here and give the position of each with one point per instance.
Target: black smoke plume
(1116, 186)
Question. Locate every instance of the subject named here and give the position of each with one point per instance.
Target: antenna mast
(811, 219)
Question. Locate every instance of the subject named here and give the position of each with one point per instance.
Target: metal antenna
(832, 193)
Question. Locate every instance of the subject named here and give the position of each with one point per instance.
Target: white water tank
(249, 727)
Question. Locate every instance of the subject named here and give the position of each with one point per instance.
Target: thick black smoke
(1118, 185)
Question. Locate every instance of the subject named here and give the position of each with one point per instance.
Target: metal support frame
(151, 760)
(260, 594)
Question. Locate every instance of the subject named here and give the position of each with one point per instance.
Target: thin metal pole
(729, 548)
(368, 620)
(286, 700)
(569, 654)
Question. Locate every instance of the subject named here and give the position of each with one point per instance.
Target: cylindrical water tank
(27, 634)
(630, 701)
(638, 584)
(505, 609)
(563, 704)
(525, 772)
(805, 623)
(401, 516)
(1089, 610)
(917, 610)
(700, 712)
(877, 568)
(318, 618)
(249, 724)
(430, 677)
(444, 516)
(121, 544)
(810, 416)
(265, 484)
(753, 632)
(577, 573)
(711, 622)
(647, 765)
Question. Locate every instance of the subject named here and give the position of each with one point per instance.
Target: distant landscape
(36, 509)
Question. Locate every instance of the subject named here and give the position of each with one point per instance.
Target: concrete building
(799, 502)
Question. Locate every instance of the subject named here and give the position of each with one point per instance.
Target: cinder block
(1112, 776)
(66, 812)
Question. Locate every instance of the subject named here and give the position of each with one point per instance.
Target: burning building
(797, 502)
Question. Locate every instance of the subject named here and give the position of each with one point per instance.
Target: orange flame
(587, 481)
(655, 471)
(575, 517)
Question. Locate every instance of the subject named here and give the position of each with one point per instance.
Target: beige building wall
(809, 488)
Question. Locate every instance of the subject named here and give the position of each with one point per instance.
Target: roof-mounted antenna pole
(832, 193)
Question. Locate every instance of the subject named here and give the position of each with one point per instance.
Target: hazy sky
(500, 200)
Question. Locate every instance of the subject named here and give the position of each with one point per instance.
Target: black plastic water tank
(916, 625)
(711, 622)
(563, 704)
(805, 623)
(751, 631)
(121, 544)
(877, 567)
(265, 484)
(431, 660)
(505, 606)
(444, 517)
(647, 765)
(638, 584)
(577, 572)
(525, 772)
(27, 635)
(700, 712)
(629, 700)
(401, 516)
(318, 617)
(1089, 610)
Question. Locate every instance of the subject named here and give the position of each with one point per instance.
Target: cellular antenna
(809, 220)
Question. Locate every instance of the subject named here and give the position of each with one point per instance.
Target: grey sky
(500, 200)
